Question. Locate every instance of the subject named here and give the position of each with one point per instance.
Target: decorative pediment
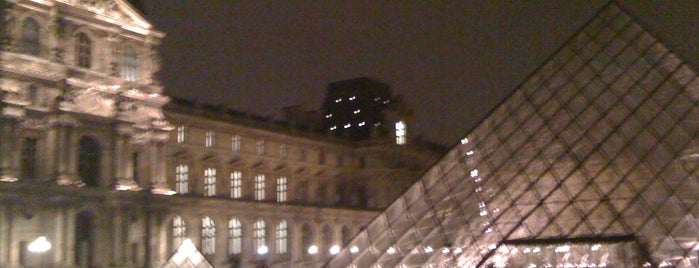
(118, 10)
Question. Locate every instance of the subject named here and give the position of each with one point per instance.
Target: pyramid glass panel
(592, 162)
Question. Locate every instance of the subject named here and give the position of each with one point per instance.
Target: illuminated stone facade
(591, 162)
(94, 161)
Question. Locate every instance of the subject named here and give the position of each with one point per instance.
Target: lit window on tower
(400, 133)
(181, 134)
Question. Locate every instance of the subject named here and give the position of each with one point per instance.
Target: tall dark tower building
(354, 108)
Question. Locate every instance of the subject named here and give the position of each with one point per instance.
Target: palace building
(98, 168)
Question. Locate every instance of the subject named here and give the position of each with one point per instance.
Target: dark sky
(452, 60)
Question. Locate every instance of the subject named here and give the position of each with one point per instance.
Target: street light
(39, 246)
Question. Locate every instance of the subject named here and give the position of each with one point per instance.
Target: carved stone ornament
(89, 101)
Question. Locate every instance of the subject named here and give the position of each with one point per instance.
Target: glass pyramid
(591, 162)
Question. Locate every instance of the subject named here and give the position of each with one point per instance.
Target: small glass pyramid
(591, 162)
(187, 256)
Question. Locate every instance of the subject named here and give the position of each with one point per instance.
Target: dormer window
(83, 51)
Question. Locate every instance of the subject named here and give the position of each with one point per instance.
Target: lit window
(282, 151)
(208, 236)
(348, 125)
(260, 147)
(338, 100)
(235, 237)
(236, 143)
(84, 51)
(281, 189)
(258, 231)
(400, 133)
(352, 98)
(260, 187)
(236, 184)
(129, 66)
(181, 134)
(282, 233)
(210, 182)
(182, 179)
(30, 42)
(333, 128)
(179, 231)
(361, 123)
(357, 111)
(210, 137)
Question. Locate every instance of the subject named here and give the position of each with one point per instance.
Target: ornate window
(282, 151)
(259, 235)
(235, 237)
(260, 187)
(30, 41)
(210, 138)
(236, 143)
(179, 231)
(208, 236)
(129, 64)
(260, 147)
(83, 50)
(400, 133)
(181, 134)
(182, 179)
(281, 189)
(236, 184)
(282, 234)
(210, 182)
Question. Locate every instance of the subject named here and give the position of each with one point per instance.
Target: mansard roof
(591, 162)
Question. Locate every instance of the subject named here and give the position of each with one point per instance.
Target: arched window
(182, 179)
(259, 235)
(346, 235)
(281, 189)
(400, 133)
(236, 143)
(327, 238)
(282, 234)
(129, 64)
(260, 187)
(235, 237)
(89, 161)
(83, 50)
(306, 237)
(210, 182)
(236, 184)
(29, 157)
(208, 236)
(30, 42)
(179, 231)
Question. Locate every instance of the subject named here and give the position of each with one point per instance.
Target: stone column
(69, 231)
(9, 149)
(5, 234)
(58, 243)
(61, 149)
(122, 159)
(118, 238)
(221, 257)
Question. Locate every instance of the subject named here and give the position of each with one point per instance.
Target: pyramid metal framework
(591, 162)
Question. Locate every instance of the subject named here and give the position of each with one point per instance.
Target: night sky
(452, 60)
